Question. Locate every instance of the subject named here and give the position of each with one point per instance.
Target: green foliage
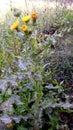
(21, 128)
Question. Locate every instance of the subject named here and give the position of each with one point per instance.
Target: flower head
(9, 125)
(16, 12)
(24, 28)
(34, 16)
(26, 18)
(15, 25)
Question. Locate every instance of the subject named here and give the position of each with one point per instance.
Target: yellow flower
(24, 28)
(34, 16)
(15, 25)
(26, 18)
(9, 125)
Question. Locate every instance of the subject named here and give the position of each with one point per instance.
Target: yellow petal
(26, 18)
(15, 25)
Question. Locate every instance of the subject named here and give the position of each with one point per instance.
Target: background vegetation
(36, 67)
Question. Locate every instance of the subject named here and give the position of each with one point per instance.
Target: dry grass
(25, 6)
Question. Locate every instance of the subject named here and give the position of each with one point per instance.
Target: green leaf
(48, 44)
